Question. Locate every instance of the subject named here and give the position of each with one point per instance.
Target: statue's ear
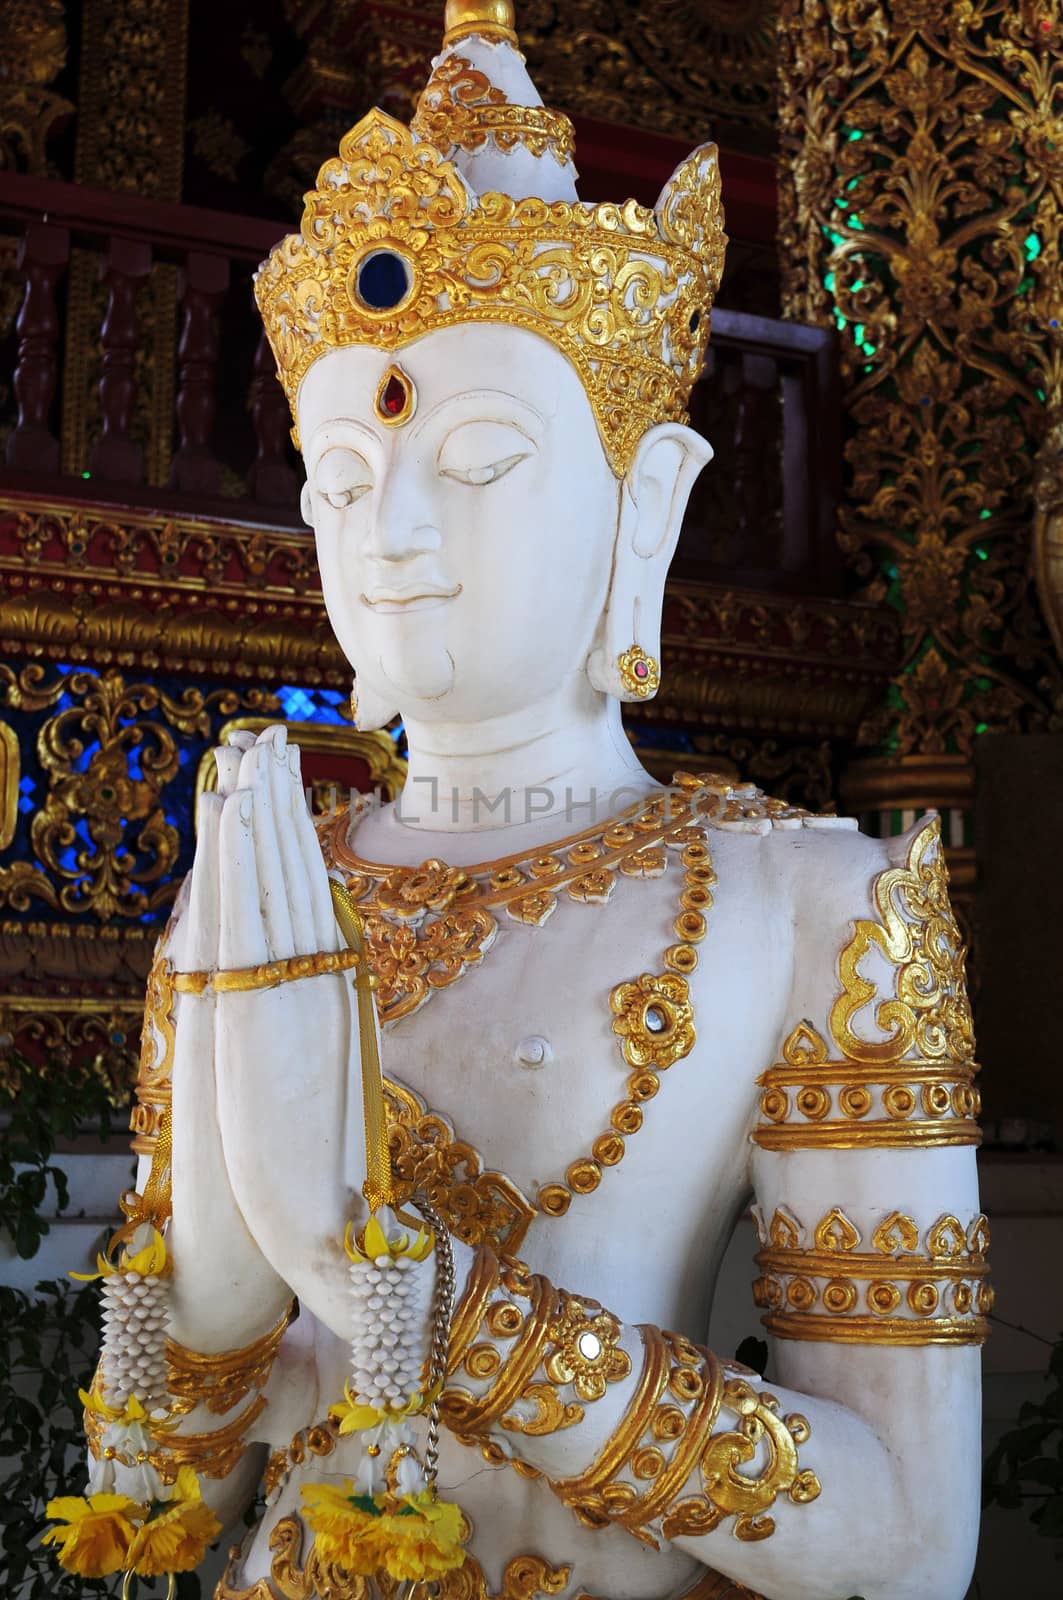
(625, 659)
(306, 505)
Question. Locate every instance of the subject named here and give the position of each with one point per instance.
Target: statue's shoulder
(830, 873)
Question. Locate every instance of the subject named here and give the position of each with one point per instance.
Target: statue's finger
(242, 932)
(194, 944)
(292, 860)
(241, 738)
(273, 890)
(227, 761)
(326, 934)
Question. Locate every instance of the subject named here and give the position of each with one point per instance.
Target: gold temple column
(921, 205)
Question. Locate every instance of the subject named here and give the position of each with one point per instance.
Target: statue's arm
(857, 1472)
(228, 1306)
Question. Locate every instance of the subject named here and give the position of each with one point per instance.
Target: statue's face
(465, 554)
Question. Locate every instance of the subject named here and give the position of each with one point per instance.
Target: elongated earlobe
(625, 660)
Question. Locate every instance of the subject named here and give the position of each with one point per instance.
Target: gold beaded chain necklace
(425, 926)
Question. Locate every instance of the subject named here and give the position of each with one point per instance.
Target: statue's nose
(403, 525)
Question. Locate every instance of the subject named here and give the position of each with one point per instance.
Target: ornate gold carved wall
(921, 210)
(33, 47)
(134, 60)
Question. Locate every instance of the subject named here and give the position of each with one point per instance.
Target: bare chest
(598, 1066)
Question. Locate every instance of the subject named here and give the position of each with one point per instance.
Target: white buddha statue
(610, 1012)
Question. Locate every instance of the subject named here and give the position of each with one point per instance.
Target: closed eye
(477, 477)
(339, 498)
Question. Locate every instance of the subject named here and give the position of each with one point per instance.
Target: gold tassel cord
(379, 1186)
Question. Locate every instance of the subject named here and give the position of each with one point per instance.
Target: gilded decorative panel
(921, 207)
(33, 48)
(130, 136)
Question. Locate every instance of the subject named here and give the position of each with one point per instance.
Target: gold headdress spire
(489, 19)
(471, 215)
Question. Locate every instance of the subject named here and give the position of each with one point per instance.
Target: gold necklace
(412, 914)
(427, 925)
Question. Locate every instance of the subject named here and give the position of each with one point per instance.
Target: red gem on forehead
(396, 396)
(641, 669)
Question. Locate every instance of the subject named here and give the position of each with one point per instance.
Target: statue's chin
(428, 678)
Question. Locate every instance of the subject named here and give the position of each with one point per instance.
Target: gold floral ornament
(461, 109)
(639, 673)
(394, 245)
(585, 1354)
(655, 1020)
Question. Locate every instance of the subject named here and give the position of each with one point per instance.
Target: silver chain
(442, 1316)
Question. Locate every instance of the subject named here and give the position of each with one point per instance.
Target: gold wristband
(466, 1413)
(214, 1454)
(269, 975)
(470, 1312)
(677, 1402)
(220, 1381)
(583, 1493)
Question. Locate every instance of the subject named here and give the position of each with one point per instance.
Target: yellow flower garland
(417, 1537)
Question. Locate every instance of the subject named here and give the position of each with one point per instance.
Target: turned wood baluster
(203, 282)
(271, 477)
(42, 255)
(116, 454)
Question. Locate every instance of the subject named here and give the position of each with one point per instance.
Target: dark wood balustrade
(762, 516)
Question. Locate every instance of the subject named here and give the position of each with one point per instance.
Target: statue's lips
(420, 598)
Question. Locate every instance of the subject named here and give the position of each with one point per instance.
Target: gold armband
(533, 1353)
(269, 975)
(908, 1289)
(898, 1069)
(220, 1381)
(538, 1355)
(665, 1445)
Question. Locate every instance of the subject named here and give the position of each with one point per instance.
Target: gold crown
(394, 244)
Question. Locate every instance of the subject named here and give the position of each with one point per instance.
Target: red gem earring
(396, 398)
(639, 673)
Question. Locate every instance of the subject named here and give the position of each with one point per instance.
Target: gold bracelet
(466, 1413)
(470, 1312)
(585, 1494)
(269, 975)
(213, 1455)
(677, 1368)
(220, 1381)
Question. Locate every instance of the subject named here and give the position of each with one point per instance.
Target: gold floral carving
(674, 70)
(33, 49)
(101, 835)
(623, 292)
(461, 108)
(585, 1353)
(523, 1578)
(9, 781)
(921, 211)
(915, 1085)
(668, 1433)
(911, 1288)
(479, 1207)
(1048, 523)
